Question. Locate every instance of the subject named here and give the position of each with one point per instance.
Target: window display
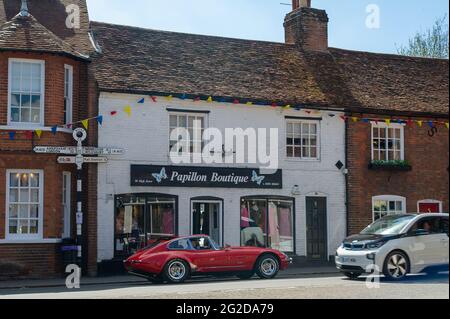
(142, 220)
(268, 222)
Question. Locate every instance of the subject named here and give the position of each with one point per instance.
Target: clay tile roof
(52, 15)
(27, 34)
(142, 60)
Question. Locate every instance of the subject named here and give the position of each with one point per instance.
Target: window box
(390, 165)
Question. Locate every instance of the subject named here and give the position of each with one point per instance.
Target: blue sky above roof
(263, 19)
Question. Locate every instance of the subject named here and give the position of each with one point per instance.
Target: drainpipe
(347, 196)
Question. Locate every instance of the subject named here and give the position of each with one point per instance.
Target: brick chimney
(307, 27)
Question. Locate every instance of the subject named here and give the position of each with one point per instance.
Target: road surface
(329, 287)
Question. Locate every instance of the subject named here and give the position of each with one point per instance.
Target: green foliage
(432, 43)
(391, 163)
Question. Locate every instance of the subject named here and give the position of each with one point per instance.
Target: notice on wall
(128, 220)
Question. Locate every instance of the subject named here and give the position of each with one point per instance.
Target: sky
(263, 19)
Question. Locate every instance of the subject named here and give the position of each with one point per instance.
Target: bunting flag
(29, 135)
(100, 119)
(85, 124)
(127, 109)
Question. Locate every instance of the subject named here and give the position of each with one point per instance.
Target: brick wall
(429, 179)
(43, 259)
(308, 28)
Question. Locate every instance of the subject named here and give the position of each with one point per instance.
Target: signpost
(79, 159)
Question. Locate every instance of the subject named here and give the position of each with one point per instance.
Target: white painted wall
(144, 136)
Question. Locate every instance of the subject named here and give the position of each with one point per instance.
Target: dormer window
(26, 92)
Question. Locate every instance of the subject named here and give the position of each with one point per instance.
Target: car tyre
(245, 275)
(176, 271)
(352, 275)
(267, 266)
(396, 266)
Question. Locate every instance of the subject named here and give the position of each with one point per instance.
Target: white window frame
(429, 201)
(388, 198)
(187, 114)
(27, 237)
(383, 125)
(318, 136)
(25, 125)
(69, 112)
(66, 199)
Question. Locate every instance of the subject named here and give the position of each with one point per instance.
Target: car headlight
(375, 245)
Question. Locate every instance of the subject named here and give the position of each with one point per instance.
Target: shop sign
(187, 176)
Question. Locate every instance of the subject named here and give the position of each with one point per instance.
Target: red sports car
(175, 260)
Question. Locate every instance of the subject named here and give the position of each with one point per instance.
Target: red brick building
(43, 89)
(51, 70)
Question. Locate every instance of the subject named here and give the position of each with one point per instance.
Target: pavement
(301, 270)
(306, 287)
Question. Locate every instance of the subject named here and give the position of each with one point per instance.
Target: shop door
(316, 228)
(206, 220)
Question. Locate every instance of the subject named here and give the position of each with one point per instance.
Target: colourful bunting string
(100, 119)
(127, 109)
(85, 124)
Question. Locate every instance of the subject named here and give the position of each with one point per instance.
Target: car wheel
(352, 275)
(267, 266)
(245, 275)
(396, 266)
(176, 271)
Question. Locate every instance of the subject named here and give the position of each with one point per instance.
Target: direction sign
(73, 160)
(68, 150)
(72, 150)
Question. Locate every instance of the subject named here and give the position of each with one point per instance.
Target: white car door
(426, 247)
(444, 249)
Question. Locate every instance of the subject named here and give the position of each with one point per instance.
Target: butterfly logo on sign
(257, 179)
(162, 175)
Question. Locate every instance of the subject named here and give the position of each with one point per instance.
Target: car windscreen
(390, 225)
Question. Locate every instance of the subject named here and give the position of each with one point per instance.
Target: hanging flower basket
(390, 165)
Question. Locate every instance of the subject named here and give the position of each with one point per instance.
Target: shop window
(388, 205)
(302, 139)
(142, 220)
(195, 126)
(24, 202)
(387, 142)
(26, 92)
(268, 222)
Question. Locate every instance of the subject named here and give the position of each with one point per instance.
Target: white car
(396, 246)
